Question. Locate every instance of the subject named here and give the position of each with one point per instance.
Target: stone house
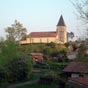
(77, 74)
(37, 57)
(79, 82)
(77, 69)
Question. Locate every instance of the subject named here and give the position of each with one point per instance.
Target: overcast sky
(37, 15)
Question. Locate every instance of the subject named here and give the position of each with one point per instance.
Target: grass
(37, 86)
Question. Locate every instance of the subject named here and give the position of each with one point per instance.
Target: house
(77, 74)
(77, 69)
(72, 55)
(58, 36)
(37, 57)
(78, 82)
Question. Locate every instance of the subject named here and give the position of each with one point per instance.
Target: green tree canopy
(16, 31)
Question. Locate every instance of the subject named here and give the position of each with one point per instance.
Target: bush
(57, 66)
(19, 69)
(15, 70)
(12, 66)
(51, 44)
(47, 50)
(41, 65)
(47, 80)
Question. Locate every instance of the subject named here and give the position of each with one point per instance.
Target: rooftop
(61, 22)
(36, 54)
(42, 34)
(77, 67)
(80, 80)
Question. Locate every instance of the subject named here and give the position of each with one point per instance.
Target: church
(59, 36)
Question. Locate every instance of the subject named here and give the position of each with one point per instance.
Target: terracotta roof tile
(80, 80)
(36, 54)
(42, 34)
(79, 67)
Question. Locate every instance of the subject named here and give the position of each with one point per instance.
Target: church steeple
(61, 31)
(61, 22)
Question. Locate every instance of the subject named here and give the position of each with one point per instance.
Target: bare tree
(82, 12)
(70, 35)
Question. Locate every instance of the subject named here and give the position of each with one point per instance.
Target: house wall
(39, 40)
(23, 42)
(61, 37)
(75, 75)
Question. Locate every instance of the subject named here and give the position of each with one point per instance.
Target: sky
(37, 15)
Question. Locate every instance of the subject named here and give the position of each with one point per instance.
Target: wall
(62, 33)
(39, 40)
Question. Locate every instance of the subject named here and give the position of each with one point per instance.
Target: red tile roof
(36, 54)
(78, 67)
(80, 80)
(42, 34)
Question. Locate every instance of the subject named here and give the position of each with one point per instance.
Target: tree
(13, 65)
(67, 45)
(82, 54)
(8, 51)
(47, 50)
(70, 35)
(82, 12)
(82, 8)
(51, 44)
(16, 31)
(19, 69)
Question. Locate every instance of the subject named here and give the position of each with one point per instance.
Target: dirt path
(21, 84)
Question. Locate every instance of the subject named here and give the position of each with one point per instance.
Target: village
(45, 59)
(62, 64)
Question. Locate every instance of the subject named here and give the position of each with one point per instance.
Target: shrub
(47, 50)
(57, 66)
(19, 69)
(13, 67)
(47, 80)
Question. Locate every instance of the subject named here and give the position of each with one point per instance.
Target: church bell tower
(61, 31)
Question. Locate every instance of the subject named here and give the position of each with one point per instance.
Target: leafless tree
(81, 7)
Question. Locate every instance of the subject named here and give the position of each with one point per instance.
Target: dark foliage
(47, 80)
(18, 70)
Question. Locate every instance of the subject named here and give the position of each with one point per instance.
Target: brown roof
(80, 80)
(78, 67)
(36, 54)
(42, 34)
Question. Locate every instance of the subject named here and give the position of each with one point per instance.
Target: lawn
(37, 86)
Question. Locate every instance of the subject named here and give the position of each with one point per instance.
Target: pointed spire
(61, 22)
